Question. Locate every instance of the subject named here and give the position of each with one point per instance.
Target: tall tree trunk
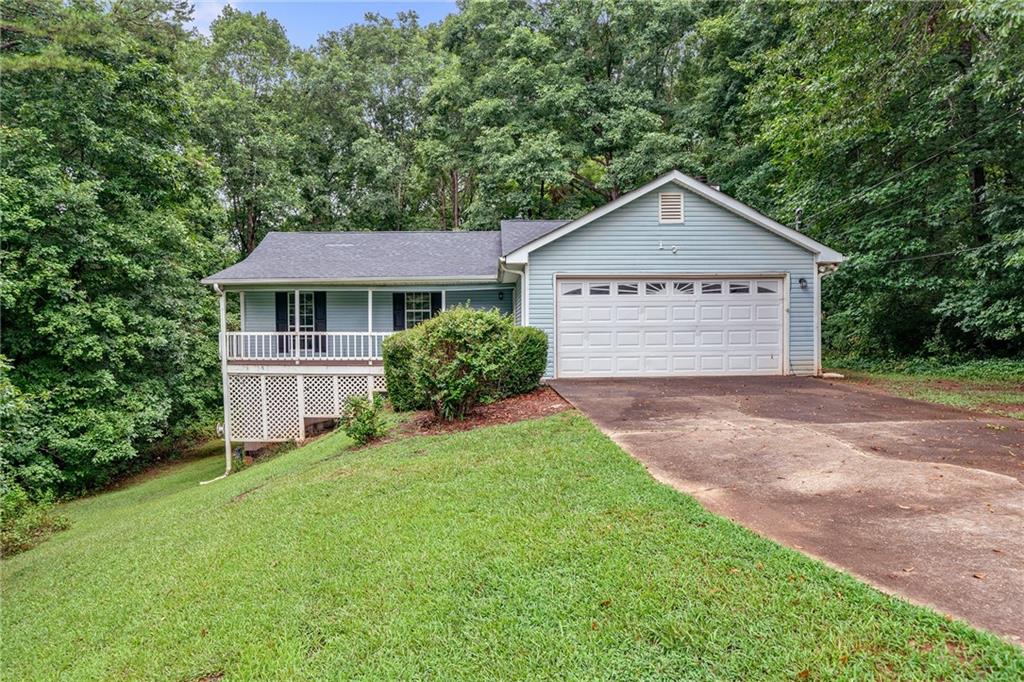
(456, 214)
(250, 228)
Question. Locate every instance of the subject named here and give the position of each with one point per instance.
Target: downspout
(223, 350)
(522, 289)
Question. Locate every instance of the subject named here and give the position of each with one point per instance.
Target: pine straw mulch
(540, 402)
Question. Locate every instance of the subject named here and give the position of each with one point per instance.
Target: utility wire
(856, 260)
(864, 192)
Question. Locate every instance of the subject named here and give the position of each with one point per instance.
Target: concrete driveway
(920, 500)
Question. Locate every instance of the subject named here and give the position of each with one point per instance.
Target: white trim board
(823, 253)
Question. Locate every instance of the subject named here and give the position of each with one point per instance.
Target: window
(710, 287)
(572, 289)
(683, 287)
(739, 287)
(627, 289)
(767, 287)
(670, 207)
(600, 289)
(656, 288)
(306, 312)
(417, 308)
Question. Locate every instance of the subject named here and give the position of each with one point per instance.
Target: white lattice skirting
(268, 408)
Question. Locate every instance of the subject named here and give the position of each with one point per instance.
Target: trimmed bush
(526, 360)
(399, 352)
(461, 358)
(363, 419)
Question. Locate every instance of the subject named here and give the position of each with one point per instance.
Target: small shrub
(399, 351)
(460, 358)
(26, 522)
(525, 361)
(363, 419)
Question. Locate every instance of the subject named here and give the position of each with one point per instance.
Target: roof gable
(823, 253)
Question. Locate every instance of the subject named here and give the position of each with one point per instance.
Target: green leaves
(109, 224)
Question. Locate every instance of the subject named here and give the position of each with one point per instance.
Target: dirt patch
(541, 402)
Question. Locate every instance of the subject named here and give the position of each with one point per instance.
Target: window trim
(417, 308)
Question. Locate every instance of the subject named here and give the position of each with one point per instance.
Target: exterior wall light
(803, 283)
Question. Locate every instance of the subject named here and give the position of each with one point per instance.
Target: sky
(305, 20)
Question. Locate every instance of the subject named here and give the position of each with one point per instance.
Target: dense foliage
(110, 219)
(399, 355)
(460, 358)
(137, 156)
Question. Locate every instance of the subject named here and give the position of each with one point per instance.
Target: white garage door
(652, 327)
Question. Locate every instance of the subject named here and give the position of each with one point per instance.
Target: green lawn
(995, 387)
(534, 550)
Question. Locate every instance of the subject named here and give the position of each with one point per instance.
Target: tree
(240, 84)
(110, 220)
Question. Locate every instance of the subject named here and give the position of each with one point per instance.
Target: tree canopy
(139, 156)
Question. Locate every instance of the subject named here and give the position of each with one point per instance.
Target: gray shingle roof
(371, 256)
(515, 233)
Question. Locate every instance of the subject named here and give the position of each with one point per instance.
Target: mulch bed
(541, 402)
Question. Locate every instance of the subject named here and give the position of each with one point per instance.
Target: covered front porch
(339, 325)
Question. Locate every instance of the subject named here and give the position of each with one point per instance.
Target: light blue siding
(259, 312)
(483, 299)
(712, 240)
(383, 315)
(517, 301)
(347, 306)
(347, 311)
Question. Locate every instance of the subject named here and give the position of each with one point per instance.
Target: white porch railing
(304, 345)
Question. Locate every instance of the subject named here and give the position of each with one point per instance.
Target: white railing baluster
(256, 346)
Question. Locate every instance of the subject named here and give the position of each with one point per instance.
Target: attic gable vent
(670, 207)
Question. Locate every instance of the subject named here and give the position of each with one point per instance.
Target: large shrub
(460, 358)
(399, 351)
(525, 361)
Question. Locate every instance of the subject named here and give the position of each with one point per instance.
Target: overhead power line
(897, 174)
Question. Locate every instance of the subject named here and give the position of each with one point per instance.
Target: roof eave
(301, 281)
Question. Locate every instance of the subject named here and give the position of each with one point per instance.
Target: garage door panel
(711, 338)
(711, 312)
(741, 313)
(655, 313)
(684, 339)
(712, 363)
(684, 312)
(646, 326)
(627, 339)
(656, 339)
(627, 363)
(739, 337)
(571, 313)
(628, 313)
(741, 363)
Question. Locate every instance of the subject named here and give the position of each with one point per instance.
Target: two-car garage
(669, 326)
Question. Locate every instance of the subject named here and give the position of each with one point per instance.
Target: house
(674, 278)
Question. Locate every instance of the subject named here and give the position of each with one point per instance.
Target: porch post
(224, 384)
(370, 346)
(298, 317)
(444, 300)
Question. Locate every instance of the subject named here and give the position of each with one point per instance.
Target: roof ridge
(380, 231)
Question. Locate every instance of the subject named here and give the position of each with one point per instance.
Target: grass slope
(534, 550)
